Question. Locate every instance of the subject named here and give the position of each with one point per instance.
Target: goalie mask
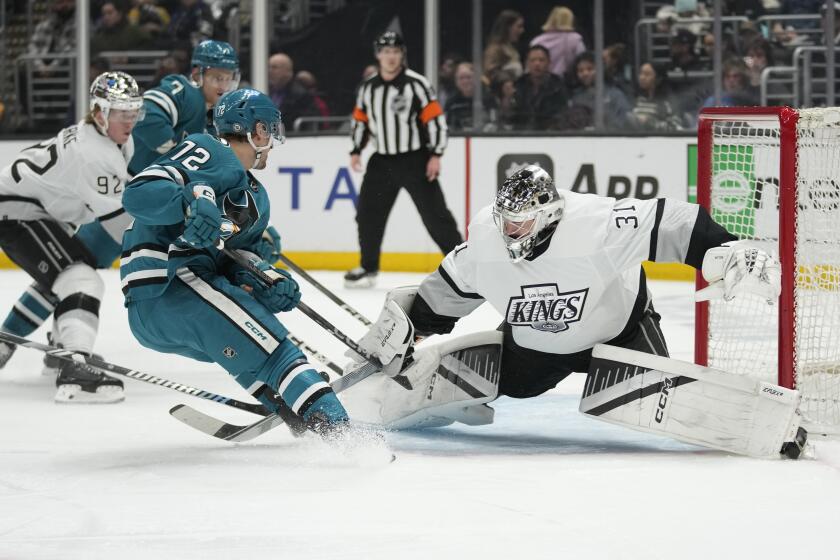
(116, 91)
(526, 210)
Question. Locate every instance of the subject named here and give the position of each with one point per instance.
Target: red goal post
(772, 175)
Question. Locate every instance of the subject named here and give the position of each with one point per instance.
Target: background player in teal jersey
(178, 106)
(186, 297)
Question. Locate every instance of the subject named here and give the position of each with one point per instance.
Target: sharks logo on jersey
(242, 214)
(544, 308)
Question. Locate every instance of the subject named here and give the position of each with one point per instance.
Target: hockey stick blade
(220, 429)
(237, 433)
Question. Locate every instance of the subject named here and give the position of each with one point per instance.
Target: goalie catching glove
(740, 267)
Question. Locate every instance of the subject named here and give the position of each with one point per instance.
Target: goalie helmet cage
(772, 175)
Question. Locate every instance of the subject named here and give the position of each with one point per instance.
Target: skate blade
(73, 394)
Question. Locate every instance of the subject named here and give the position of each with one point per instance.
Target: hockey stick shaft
(315, 353)
(324, 290)
(70, 356)
(271, 277)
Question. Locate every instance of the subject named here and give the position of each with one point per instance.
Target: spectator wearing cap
(684, 51)
(560, 39)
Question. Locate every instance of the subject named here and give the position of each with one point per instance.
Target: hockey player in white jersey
(565, 271)
(51, 189)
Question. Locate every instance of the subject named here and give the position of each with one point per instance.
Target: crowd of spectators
(555, 87)
(173, 26)
(532, 77)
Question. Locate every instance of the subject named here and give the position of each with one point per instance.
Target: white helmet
(526, 210)
(116, 90)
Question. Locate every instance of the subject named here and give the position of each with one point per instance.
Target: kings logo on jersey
(544, 308)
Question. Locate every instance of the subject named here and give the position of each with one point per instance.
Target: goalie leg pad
(452, 382)
(691, 403)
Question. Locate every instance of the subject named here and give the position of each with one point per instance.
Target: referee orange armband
(430, 111)
(359, 115)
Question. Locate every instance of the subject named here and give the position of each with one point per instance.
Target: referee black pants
(384, 178)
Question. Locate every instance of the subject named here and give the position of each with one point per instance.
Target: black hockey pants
(528, 373)
(384, 178)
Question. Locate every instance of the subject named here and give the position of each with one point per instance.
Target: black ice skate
(78, 382)
(6, 351)
(359, 278)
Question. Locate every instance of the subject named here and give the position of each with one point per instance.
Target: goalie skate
(78, 382)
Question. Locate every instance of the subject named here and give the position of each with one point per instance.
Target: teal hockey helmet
(216, 54)
(243, 111)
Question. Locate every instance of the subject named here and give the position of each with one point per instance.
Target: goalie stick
(70, 356)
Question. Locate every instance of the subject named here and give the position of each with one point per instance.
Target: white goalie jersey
(75, 177)
(583, 286)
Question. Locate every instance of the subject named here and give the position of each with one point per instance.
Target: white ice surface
(127, 481)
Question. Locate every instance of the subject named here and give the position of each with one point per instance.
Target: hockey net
(772, 175)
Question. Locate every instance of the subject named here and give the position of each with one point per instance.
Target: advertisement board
(313, 191)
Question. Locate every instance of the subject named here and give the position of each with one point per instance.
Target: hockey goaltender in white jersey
(565, 272)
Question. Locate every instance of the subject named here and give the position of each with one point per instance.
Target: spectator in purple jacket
(560, 39)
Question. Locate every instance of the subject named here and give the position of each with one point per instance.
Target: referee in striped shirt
(397, 109)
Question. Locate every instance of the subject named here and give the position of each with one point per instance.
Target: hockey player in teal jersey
(186, 297)
(178, 106)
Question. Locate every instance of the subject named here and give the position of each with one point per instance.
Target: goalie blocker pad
(692, 403)
(452, 382)
(390, 339)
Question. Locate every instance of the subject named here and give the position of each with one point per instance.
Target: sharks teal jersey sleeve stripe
(174, 110)
(155, 199)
